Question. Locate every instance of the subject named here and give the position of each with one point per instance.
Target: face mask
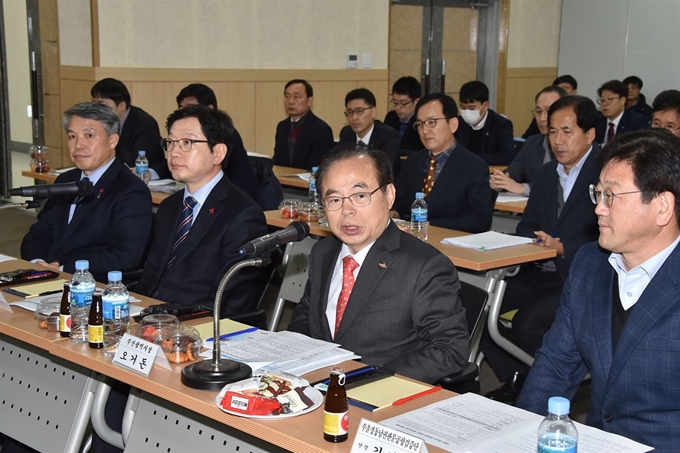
(470, 116)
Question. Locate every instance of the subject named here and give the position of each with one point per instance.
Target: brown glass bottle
(335, 410)
(65, 312)
(95, 323)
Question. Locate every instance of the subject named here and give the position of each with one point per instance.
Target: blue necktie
(184, 225)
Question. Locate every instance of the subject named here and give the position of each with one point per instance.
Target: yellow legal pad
(38, 289)
(384, 392)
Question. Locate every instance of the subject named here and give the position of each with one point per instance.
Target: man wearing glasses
(666, 114)
(615, 118)
(406, 93)
(454, 180)
(364, 129)
(374, 289)
(620, 310)
(199, 230)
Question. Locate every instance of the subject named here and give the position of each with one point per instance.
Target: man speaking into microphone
(108, 224)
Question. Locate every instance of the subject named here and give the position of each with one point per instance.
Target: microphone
(80, 188)
(294, 232)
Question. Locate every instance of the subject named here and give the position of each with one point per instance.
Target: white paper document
(471, 423)
(161, 182)
(303, 176)
(505, 197)
(6, 258)
(491, 240)
(263, 156)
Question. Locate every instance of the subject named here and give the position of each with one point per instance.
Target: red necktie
(428, 181)
(610, 132)
(349, 264)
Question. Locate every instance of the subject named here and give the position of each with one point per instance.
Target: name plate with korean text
(376, 438)
(139, 355)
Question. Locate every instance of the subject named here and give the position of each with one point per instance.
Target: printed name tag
(376, 438)
(139, 355)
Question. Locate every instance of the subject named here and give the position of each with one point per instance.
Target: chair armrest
(454, 382)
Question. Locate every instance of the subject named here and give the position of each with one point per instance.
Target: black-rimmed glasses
(184, 144)
(430, 123)
(359, 199)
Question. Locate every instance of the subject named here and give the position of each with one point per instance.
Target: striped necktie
(186, 218)
(349, 264)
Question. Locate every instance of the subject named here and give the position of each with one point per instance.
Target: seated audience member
(620, 310)
(517, 178)
(373, 289)
(364, 129)
(240, 171)
(138, 130)
(454, 180)
(406, 93)
(560, 215)
(615, 118)
(666, 114)
(480, 129)
(569, 85)
(199, 230)
(303, 138)
(109, 227)
(636, 101)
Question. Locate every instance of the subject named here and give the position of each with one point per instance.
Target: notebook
(38, 289)
(384, 393)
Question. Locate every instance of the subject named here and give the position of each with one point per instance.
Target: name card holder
(139, 355)
(376, 438)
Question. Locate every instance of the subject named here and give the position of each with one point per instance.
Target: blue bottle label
(419, 215)
(81, 299)
(116, 309)
(141, 168)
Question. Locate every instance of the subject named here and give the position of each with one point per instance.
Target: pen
(357, 372)
(417, 395)
(233, 334)
(538, 241)
(47, 293)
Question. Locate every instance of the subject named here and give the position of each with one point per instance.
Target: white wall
(75, 34)
(534, 33)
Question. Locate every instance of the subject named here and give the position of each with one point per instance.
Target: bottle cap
(142, 153)
(82, 265)
(115, 276)
(558, 405)
(315, 169)
(419, 195)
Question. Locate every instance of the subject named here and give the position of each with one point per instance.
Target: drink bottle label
(335, 424)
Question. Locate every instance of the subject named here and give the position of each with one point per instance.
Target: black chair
(474, 301)
(269, 190)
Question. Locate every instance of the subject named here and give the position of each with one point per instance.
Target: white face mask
(470, 116)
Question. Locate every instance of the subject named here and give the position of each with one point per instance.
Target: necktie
(360, 142)
(186, 217)
(428, 181)
(610, 132)
(76, 202)
(349, 264)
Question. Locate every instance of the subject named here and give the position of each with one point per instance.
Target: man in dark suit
(480, 129)
(620, 310)
(569, 85)
(139, 130)
(519, 175)
(636, 101)
(302, 139)
(559, 214)
(406, 93)
(239, 171)
(615, 118)
(110, 227)
(199, 230)
(364, 129)
(454, 180)
(374, 289)
(667, 111)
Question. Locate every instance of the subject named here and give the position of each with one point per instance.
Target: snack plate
(312, 393)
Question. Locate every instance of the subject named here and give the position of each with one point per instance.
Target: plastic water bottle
(557, 433)
(82, 288)
(313, 194)
(419, 217)
(116, 301)
(142, 167)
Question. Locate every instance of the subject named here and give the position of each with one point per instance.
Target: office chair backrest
(474, 300)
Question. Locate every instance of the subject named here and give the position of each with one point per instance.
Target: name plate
(376, 438)
(139, 355)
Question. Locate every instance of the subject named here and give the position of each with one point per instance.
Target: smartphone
(13, 275)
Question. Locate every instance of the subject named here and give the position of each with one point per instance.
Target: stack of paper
(505, 197)
(490, 240)
(303, 176)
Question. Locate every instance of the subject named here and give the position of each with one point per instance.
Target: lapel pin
(382, 265)
(211, 210)
(101, 192)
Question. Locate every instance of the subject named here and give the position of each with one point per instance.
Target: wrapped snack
(260, 395)
(294, 401)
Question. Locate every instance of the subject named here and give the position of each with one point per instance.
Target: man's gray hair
(93, 111)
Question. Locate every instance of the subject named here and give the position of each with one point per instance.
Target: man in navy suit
(667, 111)
(110, 227)
(406, 93)
(636, 100)
(616, 118)
(620, 311)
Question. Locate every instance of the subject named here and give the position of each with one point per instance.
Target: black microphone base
(204, 376)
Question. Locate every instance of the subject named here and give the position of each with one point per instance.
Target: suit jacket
(404, 312)
(527, 161)
(110, 227)
(383, 138)
(140, 132)
(411, 139)
(634, 389)
(577, 223)
(461, 198)
(313, 143)
(630, 121)
(227, 220)
(497, 146)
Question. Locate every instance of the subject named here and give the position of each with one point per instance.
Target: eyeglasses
(603, 101)
(359, 199)
(669, 127)
(538, 112)
(356, 112)
(430, 123)
(398, 104)
(606, 195)
(185, 144)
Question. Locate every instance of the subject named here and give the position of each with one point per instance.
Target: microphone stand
(216, 373)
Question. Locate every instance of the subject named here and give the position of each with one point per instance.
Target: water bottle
(142, 167)
(82, 288)
(116, 301)
(419, 217)
(313, 194)
(557, 433)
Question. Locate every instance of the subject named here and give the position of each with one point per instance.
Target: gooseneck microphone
(294, 232)
(80, 188)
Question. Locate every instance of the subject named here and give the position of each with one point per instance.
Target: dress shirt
(202, 194)
(616, 122)
(567, 181)
(632, 283)
(366, 138)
